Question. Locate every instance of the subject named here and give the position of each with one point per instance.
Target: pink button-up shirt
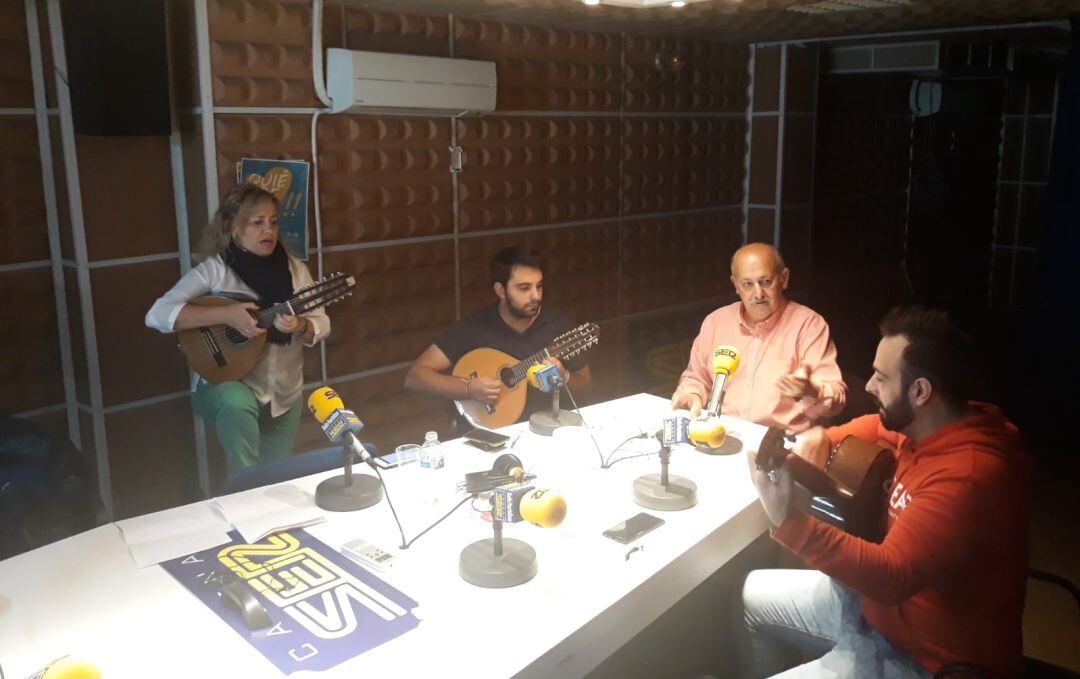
(794, 335)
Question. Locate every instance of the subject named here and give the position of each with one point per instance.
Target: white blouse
(278, 377)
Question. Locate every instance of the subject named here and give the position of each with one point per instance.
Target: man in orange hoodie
(946, 584)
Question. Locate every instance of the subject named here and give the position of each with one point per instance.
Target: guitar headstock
(772, 452)
(573, 342)
(329, 289)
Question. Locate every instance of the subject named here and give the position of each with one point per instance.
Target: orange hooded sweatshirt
(947, 582)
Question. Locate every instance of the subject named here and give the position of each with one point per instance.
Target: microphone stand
(663, 491)
(347, 493)
(545, 423)
(496, 563)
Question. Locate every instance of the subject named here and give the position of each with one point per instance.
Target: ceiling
(748, 20)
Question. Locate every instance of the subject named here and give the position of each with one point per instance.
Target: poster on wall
(288, 181)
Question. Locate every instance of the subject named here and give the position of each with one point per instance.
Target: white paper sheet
(263, 511)
(173, 533)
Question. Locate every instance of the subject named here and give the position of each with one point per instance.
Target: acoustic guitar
(514, 374)
(849, 493)
(220, 353)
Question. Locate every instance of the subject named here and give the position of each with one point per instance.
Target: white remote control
(367, 554)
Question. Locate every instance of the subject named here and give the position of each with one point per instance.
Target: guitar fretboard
(521, 368)
(312, 297)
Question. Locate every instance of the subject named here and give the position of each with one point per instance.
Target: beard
(897, 416)
(521, 311)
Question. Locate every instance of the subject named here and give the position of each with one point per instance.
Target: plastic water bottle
(432, 463)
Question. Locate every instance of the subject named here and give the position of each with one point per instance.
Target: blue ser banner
(323, 607)
(288, 181)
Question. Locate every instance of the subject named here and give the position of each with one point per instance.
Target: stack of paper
(263, 511)
(173, 533)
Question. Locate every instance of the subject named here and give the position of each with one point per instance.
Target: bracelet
(467, 381)
(305, 328)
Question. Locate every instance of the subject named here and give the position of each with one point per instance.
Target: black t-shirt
(485, 328)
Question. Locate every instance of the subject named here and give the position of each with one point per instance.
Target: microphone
(544, 377)
(338, 423)
(675, 430)
(347, 492)
(541, 507)
(725, 360)
(704, 432)
(707, 432)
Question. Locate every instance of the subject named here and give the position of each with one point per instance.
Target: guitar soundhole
(234, 336)
(507, 377)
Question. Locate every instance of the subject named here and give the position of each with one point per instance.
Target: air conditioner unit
(376, 81)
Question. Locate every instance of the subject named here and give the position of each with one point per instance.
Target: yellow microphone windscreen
(69, 668)
(708, 432)
(725, 360)
(543, 507)
(323, 402)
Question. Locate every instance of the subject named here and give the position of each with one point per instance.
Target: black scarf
(268, 276)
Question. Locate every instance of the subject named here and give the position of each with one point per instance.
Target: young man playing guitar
(515, 324)
(946, 583)
(256, 417)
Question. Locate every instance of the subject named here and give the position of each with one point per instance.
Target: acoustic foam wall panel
(382, 178)
(543, 68)
(713, 78)
(260, 51)
(674, 164)
(525, 171)
(397, 33)
(404, 296)
(673, 260)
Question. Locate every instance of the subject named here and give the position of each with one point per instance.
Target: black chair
(286, 469)
(47, 488)
(1033, 668)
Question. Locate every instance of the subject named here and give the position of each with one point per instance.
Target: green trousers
(247, 431)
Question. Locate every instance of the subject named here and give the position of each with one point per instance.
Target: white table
(83, 596)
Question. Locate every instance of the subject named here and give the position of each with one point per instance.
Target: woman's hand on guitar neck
(238, 317)
(484, 389)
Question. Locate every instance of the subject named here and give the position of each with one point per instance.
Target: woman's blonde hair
(237, 203)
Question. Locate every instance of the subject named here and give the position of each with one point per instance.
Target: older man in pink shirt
(787, 375)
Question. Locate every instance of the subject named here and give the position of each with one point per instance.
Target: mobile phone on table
(485, 439)
(633, 528)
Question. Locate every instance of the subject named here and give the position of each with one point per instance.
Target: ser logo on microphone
(324, 394)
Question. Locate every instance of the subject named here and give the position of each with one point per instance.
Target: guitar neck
(308, 299)
(521, 368)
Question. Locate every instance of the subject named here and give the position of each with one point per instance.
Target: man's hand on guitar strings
(238, 317)
(775, 494)
(485, 389)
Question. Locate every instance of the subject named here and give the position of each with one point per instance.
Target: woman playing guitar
(256, 416)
